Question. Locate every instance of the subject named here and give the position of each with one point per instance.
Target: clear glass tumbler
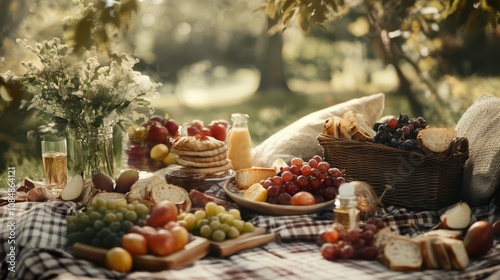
(54, 157)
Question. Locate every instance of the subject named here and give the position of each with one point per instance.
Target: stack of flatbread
(205, 154)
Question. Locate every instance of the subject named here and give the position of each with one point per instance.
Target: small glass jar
(185, 178)
(345, 211)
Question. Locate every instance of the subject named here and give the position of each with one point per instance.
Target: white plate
(271, 209)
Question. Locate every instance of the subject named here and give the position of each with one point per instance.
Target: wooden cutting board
(193, 251)
(245, 241)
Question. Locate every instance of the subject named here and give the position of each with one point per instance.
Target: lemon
(119, 259)
(256, 192)
(159, 152)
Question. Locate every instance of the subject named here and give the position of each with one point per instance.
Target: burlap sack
(299, 139)
(480, 124)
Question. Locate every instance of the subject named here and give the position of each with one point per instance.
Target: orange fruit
(118, 259)
(135, 244)
(256, 192)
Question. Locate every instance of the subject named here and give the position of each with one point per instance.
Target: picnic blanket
(40, 252)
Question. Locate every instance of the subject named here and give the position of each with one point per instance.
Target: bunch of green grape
(215, 222)
(104, 223)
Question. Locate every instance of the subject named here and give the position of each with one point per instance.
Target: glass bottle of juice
(239, 142)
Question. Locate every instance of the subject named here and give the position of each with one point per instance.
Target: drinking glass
(54, 157)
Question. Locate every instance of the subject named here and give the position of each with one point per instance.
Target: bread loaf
(435, 140)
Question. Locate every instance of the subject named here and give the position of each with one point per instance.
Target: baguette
(435, 140)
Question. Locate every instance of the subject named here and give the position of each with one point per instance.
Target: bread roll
(435, 140)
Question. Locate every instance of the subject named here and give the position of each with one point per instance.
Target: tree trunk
(271, 65)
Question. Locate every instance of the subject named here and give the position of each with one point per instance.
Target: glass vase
(91, 151)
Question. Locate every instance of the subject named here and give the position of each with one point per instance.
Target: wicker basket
(418, 181)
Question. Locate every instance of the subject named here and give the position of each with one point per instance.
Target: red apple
(479, 239)
(162, 243)
(221, 121)
(162, 213)
(198, 124)
(303, 198)
(157, 118)
(192, 130)
(157, 134)
(172, 126)
(206, 131)
(218, 131)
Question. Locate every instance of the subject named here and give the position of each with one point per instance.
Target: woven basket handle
(458, 149)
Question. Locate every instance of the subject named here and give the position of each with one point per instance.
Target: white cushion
(299, 139)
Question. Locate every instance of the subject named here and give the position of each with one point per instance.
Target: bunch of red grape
(400, 133)
(338, 243)
(314, 176)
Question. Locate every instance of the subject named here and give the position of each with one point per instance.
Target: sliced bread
(435, 139)
(402, 254)
(442, 253)
(449, 233)
(172, 193)
(360, 129)
(344, 126)
(331, 126)
(249, 176)
(456, 253)
(429, 254)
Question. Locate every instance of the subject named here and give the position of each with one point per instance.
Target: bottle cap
(346, 190)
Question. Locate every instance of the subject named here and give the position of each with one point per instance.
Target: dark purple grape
(315, 172)
(335, 172)
(347, 251)
(415, 124)
(319, 198)
(369, 253)
(273, 191)
(285, 198)
(302, 181)
(327, 182)
(368, 236)
(338, 181)
(330, 193)
(290, 188)
(314, 183)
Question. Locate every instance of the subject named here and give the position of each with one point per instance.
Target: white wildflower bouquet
(81, 90)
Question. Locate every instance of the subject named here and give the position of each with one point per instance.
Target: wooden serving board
(193, 251)
(245, 241)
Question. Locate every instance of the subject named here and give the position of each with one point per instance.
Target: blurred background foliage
(276, 60)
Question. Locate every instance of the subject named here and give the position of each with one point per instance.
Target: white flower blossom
(66, 84)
